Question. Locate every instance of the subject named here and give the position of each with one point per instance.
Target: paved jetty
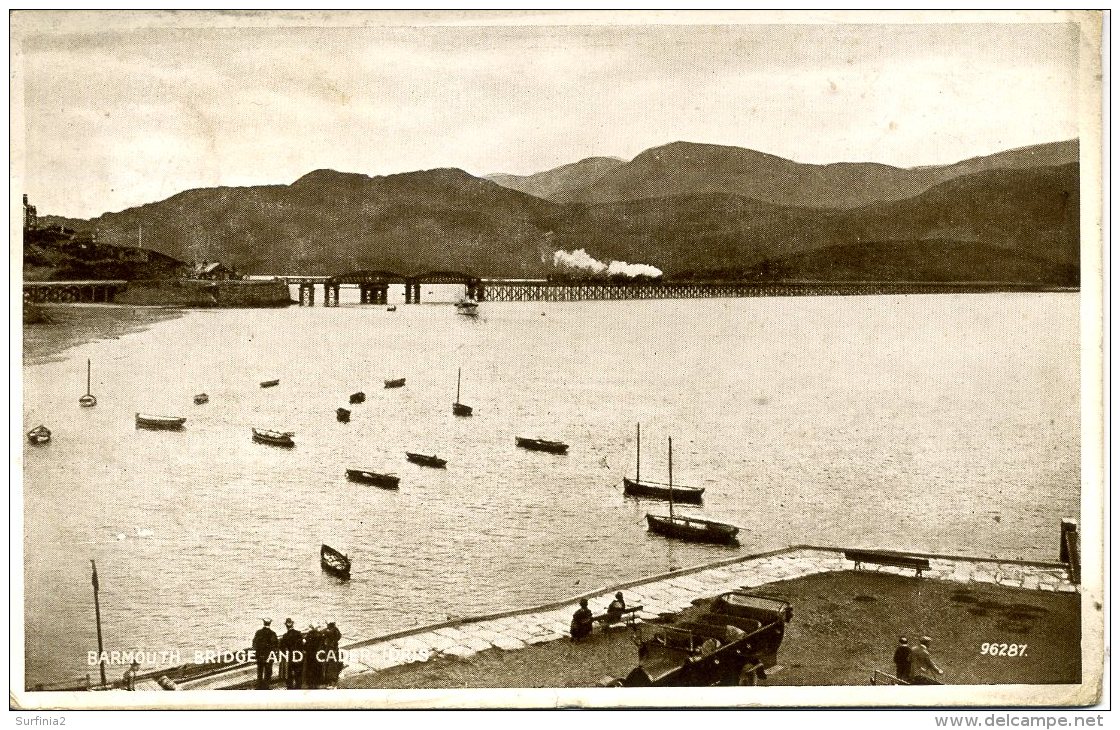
(667, 593)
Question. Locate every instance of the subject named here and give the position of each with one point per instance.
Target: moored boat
(426, 460)
(466, 306)
(391, 308)
(460, 409)
(88, 400)
(334, 562)
(395, 383)
(342, 414)
(552, 447)
(201, 398)
(273, 438)
(656, 490)
(385, 481)
(39, 435)
(358, 397)
(270, 383)
(692, 529)
(144, 420)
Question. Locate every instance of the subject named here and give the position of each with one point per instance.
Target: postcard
(557, 358)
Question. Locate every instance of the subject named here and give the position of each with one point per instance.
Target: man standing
(902, 660)
(264, 647)
(331, 662)
(922, 667)
(291, 663)
(312, 658)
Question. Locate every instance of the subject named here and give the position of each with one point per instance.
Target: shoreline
(72, 325)
(412, 656)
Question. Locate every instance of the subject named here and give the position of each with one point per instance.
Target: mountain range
(688, 209)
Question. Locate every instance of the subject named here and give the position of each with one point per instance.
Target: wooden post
(97, 612)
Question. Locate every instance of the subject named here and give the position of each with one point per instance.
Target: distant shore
(50, 329)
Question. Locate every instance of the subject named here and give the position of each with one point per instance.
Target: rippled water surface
(942, 423)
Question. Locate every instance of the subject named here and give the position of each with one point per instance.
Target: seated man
(615, 610)
(581, 621)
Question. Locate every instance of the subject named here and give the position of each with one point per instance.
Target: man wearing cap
(265, 644)
(902, 659)
(331, 663)
(291, 656)
(922, 667)
(313, 658)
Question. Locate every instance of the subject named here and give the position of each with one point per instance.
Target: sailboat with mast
(460, 409)
(88, 400)
(656, 490)
(692, 529)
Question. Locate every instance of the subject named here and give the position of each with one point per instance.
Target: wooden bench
(627, 616)
(859, 557)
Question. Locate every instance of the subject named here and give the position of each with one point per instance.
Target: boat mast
(87, 377)
(458, 382)
(638, 469)
(670, 477)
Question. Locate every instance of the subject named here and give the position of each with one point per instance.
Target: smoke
(580, 260)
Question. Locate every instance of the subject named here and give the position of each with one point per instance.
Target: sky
(114, 117)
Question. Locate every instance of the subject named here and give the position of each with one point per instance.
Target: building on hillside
(30, 215)
(212, 271)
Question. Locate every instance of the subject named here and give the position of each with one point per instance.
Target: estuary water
(942, 423)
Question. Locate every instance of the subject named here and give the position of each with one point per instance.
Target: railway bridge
(374, 285)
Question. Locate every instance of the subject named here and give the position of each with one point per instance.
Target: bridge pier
(306, 295)
(330, 295)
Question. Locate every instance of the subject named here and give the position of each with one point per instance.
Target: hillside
(561, 182)
(331, 222)
(684, 168)
(50, 254)
(328, 222)
(926, 261)
(1033, 213)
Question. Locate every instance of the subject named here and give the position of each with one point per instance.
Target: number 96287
(1003, 649)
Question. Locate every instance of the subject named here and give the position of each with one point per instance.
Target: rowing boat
(377, 479)
(273, 438)
(552, 447)
(159, 422)
(425, 460)
(334, 562)
(395, 383)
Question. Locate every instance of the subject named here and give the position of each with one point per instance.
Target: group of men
(583, 619)
(913, 664)
(308, 660)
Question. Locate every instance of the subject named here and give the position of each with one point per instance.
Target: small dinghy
(273, 438)
(342, 414)
(167, 423)
(39, 435)
(334, 562)
(425, 460)
(270, 383)
(365, 476)
(395, 383)
(201, 398)
(552, 447)
(358, 397)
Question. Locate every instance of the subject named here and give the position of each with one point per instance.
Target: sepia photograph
(496, 359)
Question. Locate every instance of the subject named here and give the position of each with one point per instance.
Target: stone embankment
(667, 593)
